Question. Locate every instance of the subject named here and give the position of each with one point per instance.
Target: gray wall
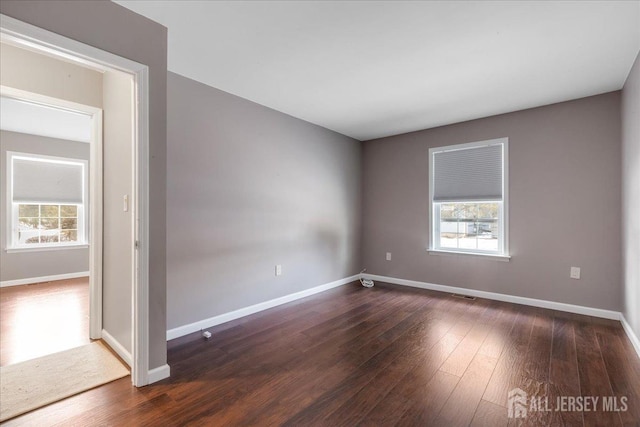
(24, 265)
(565, 202)
(115, 29)
(249, 188)
(631, 196)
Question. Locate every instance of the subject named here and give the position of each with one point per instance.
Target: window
(47, 224)
(47, 197)
(468, 198)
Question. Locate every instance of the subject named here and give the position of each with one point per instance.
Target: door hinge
(137, 244)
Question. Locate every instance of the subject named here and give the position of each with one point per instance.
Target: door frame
(95, 195)
(31, 37)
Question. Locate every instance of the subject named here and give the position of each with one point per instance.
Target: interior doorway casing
(25, 35)
(95, 191)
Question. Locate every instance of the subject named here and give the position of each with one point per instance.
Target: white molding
(630, 333)
(552, 305)
(495, 257)
(95, 226)
(236, 314)
(157, 374)
(140, 231)
(246, 311)
(29, 36)
(38, 98)
(42, 279)
(46, 248)
(20, 33)
(117, 347)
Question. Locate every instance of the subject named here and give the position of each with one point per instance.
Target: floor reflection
(44, 318)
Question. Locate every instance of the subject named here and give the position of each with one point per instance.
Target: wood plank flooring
(384, 356)
(43, 318)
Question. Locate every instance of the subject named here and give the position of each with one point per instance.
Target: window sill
(47, 248)
(504, 258)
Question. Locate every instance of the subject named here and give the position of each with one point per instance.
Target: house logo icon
(517, 403)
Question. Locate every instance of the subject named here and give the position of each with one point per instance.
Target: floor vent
(463, 296)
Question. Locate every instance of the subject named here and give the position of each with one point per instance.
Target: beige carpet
(35, 383)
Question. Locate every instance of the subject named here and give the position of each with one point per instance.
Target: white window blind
(47, 181)
(468, 174)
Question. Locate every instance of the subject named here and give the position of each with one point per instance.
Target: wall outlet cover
(575, 273)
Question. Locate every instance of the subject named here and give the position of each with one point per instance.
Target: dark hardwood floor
(376, 357)
(43, 318)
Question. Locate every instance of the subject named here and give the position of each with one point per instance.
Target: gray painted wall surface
(565, 202)
(249, 188)
(631, 196)
(115, 29)
(23, 265)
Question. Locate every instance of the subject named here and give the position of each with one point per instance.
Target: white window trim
(12, 208)
(497, 257)
(48, 248)
(504, 225)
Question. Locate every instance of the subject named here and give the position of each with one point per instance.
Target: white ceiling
(372, 69)
(36, 119)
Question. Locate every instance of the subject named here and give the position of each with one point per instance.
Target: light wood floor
(375, 357)
(43, 318)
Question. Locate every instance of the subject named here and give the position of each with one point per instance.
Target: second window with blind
(47, 199)
(468, 191)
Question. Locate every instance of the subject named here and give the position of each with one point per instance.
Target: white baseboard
(588, 311)
(156, 374)
(162, 372)
(236, 314)
(42, 279)
(117, 347)
(632, 336)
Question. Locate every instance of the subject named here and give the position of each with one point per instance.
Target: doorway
(45, 275)
(135, 201)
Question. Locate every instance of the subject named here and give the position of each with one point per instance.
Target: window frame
(503, 217)
(13, 208)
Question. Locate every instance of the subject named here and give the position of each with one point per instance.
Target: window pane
(469, 226)
(49, 223)
(49, 211)
(69, 236)
(28, 223)
(69, 224)
(487, 226)
(28, 237)
(449, 227)
(69, 211)
(28, 210)
(49, 238)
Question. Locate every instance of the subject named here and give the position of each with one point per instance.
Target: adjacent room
(389, 213)
(45, 274)
(60, 281)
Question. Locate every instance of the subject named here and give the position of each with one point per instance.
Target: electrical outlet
(388, 256)
(278, 270)
(575, 273)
